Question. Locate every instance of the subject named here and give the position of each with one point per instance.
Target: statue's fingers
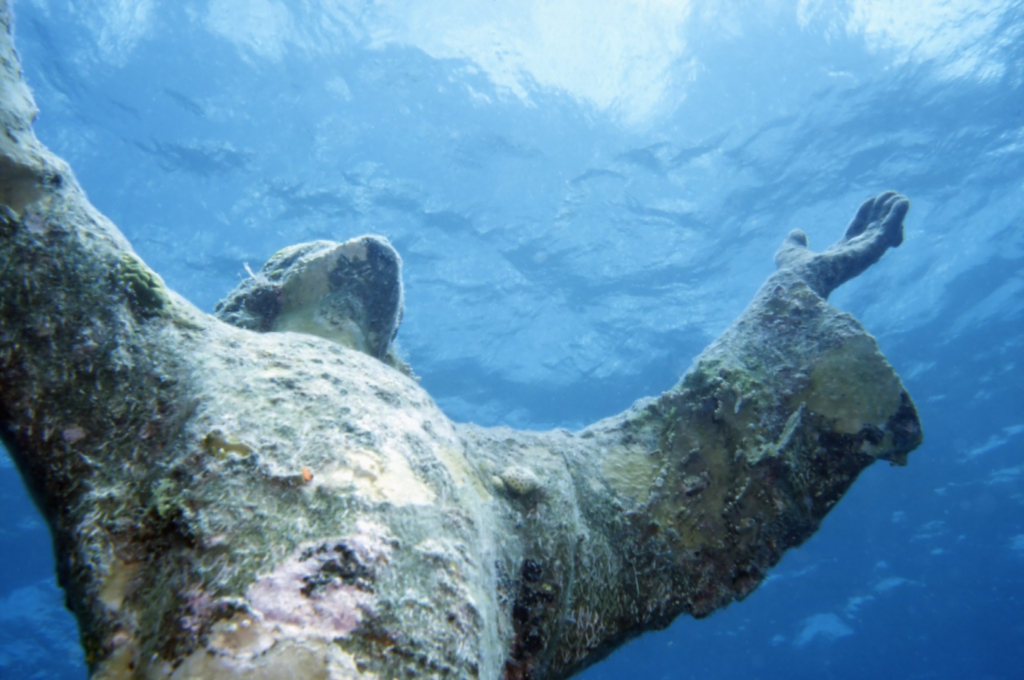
(871, 211)
(861, 220)
(886, 197)
(892, 225)
(884, 203)
(881, 205)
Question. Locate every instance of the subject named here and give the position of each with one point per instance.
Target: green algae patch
(632, 474)
(854, 386)
(219, 444)
(146, 292)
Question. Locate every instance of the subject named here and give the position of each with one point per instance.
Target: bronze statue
(272, 495)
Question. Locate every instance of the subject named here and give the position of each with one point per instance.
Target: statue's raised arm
(877, 226)
(269, 494)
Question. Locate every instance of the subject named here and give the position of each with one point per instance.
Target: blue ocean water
(584, 195)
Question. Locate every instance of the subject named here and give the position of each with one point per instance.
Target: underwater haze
(584, 194)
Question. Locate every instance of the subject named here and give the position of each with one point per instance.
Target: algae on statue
(227, 503)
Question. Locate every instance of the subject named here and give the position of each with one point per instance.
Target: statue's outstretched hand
(877, 226)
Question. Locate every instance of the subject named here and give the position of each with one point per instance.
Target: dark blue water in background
(584, 195)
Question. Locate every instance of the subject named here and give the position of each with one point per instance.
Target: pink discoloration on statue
(324, 588)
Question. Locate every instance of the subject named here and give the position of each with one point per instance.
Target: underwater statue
(230, 500)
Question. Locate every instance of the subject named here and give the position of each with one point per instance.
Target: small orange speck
(307, 475)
